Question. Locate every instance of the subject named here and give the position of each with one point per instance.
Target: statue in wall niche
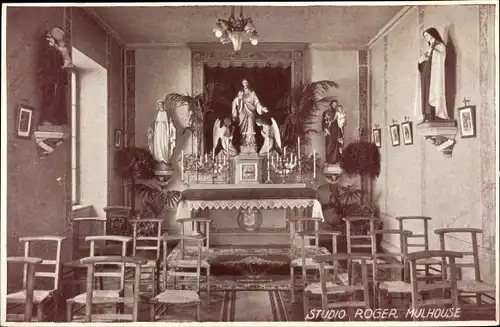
(162, 135)
(334, 120)
(430, 104)
(53, 60)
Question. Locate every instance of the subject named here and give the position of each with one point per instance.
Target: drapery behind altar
(270, 82)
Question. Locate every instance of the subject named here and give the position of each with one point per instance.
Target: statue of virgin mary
(162, 135)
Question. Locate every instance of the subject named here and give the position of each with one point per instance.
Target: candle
(298, 146)
(206, 157)
(284, 152)
(182, 165)
(314, 164)
(213, 154)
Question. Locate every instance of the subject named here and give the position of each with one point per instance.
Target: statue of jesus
(245, 107)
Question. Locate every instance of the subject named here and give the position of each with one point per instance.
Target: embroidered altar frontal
(249, 215)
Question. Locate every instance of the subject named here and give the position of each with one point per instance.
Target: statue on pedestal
(245, 108)
(334, 120)
(162, 135)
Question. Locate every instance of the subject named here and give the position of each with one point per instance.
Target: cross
(466, 101)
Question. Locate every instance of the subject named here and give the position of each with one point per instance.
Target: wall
(105, 111)
(37, 203)
(417, 179)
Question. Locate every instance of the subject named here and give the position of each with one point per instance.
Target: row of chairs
(107, 251)
(405, 273)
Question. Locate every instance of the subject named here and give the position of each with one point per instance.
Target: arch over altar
(269, 54)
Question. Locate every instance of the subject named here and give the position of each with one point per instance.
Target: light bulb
(254, 41)
(218, 33)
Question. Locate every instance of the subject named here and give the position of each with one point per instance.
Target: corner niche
(441, 134)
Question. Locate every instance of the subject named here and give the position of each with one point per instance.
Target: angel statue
(223, 132)
(270, 133)
(162, 135)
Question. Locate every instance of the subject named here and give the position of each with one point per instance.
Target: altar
(254, 214)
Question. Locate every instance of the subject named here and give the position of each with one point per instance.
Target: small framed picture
(467, 118)
(394, 134)
(407, 130)
(248, 171)
(118, 138)
(24, 125)
(376, 137)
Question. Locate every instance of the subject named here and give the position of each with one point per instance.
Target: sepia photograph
(211, 163)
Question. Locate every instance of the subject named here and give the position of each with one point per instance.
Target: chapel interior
(250, 162)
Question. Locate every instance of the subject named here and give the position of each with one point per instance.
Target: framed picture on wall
(407, 130)
(376, 137)
(467, 118)
(24, 124)
(394, 129)
(118, 138)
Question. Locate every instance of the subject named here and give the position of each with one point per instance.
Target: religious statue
(223, 132)
(270, 133)
(334, 120)
(53, 60)
(162, 135)
(430, 104)
(245, 107)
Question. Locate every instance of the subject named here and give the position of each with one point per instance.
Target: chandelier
(232, 30)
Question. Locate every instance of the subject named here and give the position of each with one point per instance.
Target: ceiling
(338, 25)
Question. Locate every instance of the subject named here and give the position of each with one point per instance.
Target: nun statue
(162, 135)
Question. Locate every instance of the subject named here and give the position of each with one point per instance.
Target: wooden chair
(28, 286)
(41, 297)
(200, 227)
(439, 294)
(346, 296)
(474, 288)
(429, 269)
(118, 220)
(360, 243)
(301, 245)
(115, 298)
(149, 247)
(312, 289)
(385, 286)
(179, 270)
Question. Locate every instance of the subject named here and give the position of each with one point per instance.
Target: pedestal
(247, 168)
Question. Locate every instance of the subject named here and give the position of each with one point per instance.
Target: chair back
(200, 226)
(182, 269)
(355, 285)
(444, 292)
(416, 241)
(390, 260)
(124, 240)
(304, 225)
(145, 244)
(359, 243)
(53, 263)
(471, 257)
(92, 266)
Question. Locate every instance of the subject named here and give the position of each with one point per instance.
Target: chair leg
(305, 304)
(57, 298)
(69, 312)
(208, 283)
(152, 314)
(39, 312)
(292, 284)
(198, 312)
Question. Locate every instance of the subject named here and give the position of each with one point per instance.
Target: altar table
(251, 214)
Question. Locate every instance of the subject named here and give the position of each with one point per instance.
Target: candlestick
(298, 146)
(314, 164)
(284, 152)
(206, 157)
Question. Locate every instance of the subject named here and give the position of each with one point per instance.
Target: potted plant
(361, 158)
(301, 105)
(198, 106)
(137, 165)
(339, 201)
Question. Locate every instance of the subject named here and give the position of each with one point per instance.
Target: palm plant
(199, 106)
(301, 105)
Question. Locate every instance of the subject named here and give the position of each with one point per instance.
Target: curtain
(270, 83)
